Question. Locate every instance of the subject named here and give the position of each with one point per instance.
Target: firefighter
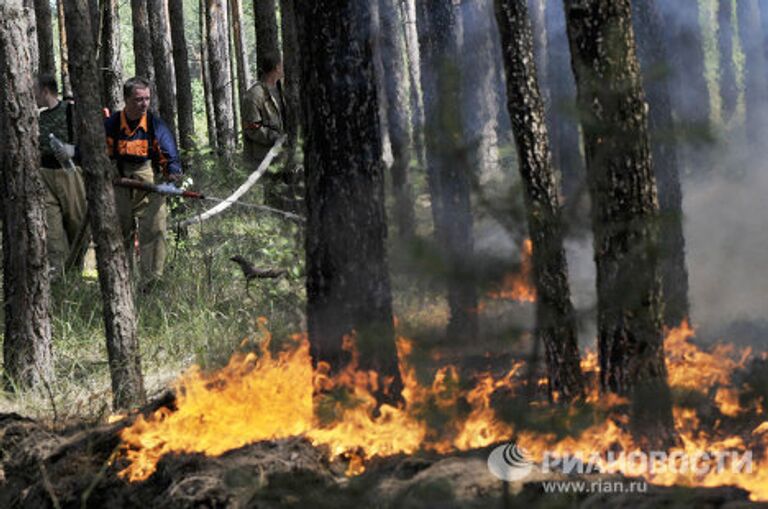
(264, 120)
(144, 149)
(65, 203)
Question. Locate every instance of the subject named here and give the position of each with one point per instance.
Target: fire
(266, 397)
(517, 286)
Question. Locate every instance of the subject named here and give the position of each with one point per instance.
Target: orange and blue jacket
(150, 140)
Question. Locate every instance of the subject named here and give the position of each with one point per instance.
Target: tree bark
(47, 61)
(210, 115)
(162, 56)
(114, 276)
(755, 94)
(31, 28)
(416, 99)
(447, 160)
(265, 16)
(348, 287)
(480, 102)
(624, 213)
(652, 55)
(27, 356)
(562, 121)
(555, 319)
(183, 79)
(142, 45)
(111, 62)
(66, 85)
(220, 76)
(729, 90)
(396, 99)
(241, 56)
(235, 77)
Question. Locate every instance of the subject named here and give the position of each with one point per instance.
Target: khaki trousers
(65, 208)
(150, 211)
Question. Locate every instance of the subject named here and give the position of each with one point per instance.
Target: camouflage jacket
(263, 120)
(58, 120)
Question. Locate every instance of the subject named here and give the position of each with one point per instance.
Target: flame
(264, 397)
(517, 286)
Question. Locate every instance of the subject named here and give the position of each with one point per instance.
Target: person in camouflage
(263, 122)
(65, 204)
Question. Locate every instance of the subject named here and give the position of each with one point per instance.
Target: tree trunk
(31, 33)
(729, 90)
(555, 319)
(562, 121)
(652, 55)
(538, 15)
(416, 100)
(210, 115)
(47, 61)
(292, 169)
(265, 16)
(755, 94)
(396, 99)
(111, 63)
(27, 357)
(114, 276)
(162, 56)
(220, 76)
(480, 102)
(235, 78)
(241, 56)
(624, 213)
(183, 79)
(66, 85)
(690, 94)
(447, 160)
(142, 45)
(348, 286)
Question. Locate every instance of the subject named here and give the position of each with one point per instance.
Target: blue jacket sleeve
(166, 145)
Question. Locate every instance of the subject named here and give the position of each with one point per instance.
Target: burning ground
(251, 434)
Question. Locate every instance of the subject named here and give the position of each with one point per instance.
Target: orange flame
(517, 286)
(265, 397)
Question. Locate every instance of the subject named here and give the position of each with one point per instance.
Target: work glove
(174, 178)
(64, 151)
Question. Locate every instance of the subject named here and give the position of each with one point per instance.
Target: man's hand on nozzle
(65, 151)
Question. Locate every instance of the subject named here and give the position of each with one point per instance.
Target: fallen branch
(252, 179)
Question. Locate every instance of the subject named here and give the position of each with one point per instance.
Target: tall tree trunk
(27, 357)
(624, 213)
(31, 27)
(555, 319)
(265, 16)
(111, 262)
(241, 55)
(66, 85)
(416, 100)
(292, 168)
(755, 94)
(47, 61)
(562, 121)
(690, 94)
(205, 68)
(235, 78)
(447, 160)
(347, 275)
(184, 102)
(729, 91)
(396, 98)
(111, 63)
(480, 102)
(538, 15)
(142, 45)
(652, 55)
(220, 76)
(162, 56)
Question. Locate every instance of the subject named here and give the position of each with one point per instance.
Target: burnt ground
(42, 468)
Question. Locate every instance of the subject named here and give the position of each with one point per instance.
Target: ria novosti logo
(510, 462)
